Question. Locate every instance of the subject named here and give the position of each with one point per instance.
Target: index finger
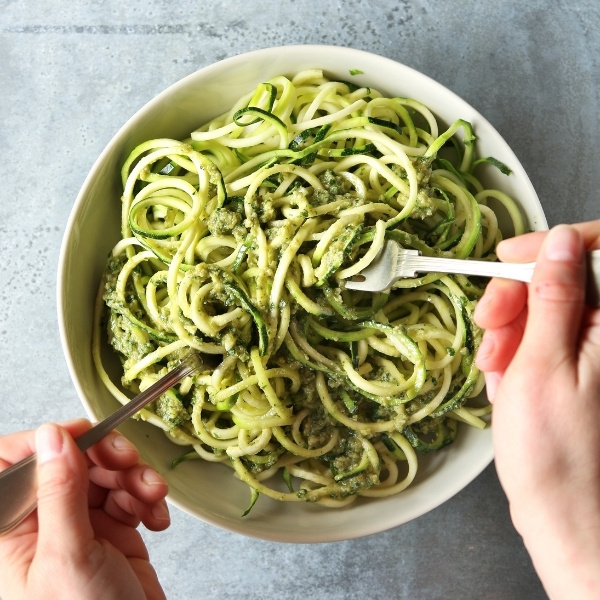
(525, 248)
(17, 446)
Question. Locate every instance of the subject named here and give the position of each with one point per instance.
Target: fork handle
(99, 430)
(18, 483)
(483, 268)
(518, 271)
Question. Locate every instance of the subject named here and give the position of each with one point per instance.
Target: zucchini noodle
(237, 243)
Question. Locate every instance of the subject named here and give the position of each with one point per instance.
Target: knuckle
(561, 292)
(57, 483)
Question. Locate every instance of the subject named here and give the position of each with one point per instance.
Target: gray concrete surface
(71, 73)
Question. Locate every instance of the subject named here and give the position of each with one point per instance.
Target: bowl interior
(206, 490)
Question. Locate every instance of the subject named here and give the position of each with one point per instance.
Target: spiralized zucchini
(236, 243)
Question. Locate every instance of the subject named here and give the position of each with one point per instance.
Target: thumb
(556, 298)
(63, 515)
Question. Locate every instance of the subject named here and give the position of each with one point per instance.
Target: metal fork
(394, 262)
(18, 483)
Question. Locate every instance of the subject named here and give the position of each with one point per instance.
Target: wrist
(565, 551)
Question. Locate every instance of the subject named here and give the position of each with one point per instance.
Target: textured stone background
(71, 73)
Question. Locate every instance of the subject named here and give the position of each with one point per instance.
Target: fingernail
(49, 442)
(122, 444)
(160, 512)
(492, 381)
(151, 477)
(486, 349)
(481, 307)
(563, 244)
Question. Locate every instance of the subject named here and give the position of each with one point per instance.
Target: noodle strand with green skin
(237, 243)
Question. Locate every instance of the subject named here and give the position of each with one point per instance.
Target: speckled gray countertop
(71, 73)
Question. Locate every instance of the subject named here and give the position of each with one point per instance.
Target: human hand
(82, 542)
(541, 357)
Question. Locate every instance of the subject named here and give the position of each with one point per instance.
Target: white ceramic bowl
(209, 491)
